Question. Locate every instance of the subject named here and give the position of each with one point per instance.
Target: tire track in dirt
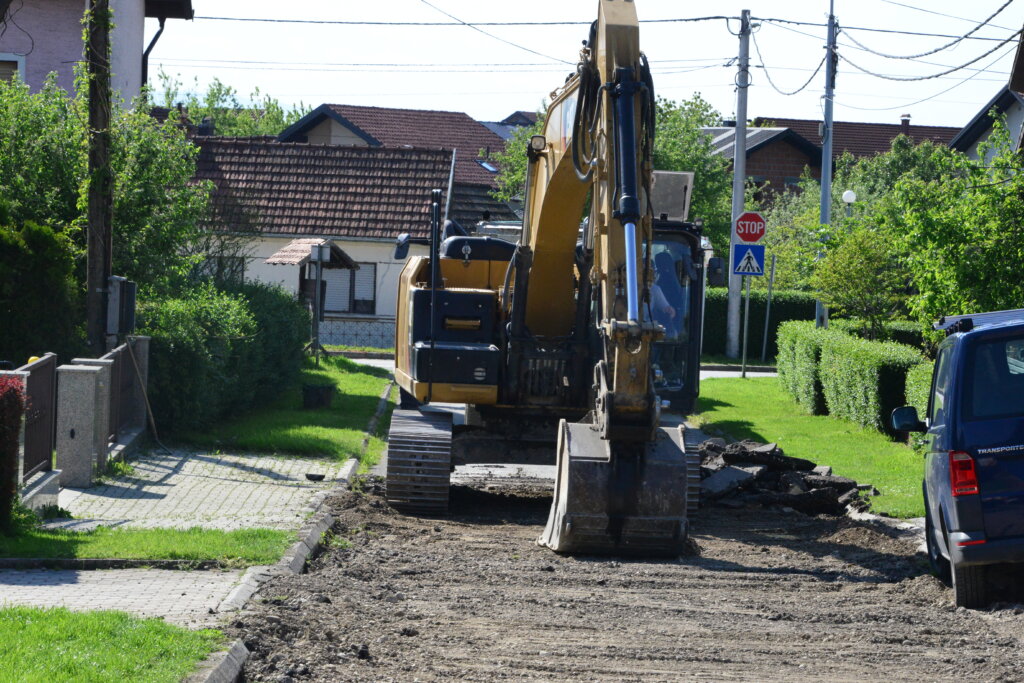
(770, 595)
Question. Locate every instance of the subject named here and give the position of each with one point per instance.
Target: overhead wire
(491, 35)
(768, 76)
(931, 11)
(955, 41)
(930, 76)
(930, 97)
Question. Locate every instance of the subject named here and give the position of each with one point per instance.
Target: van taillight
(963, 478)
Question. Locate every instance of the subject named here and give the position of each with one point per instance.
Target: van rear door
(993, 426)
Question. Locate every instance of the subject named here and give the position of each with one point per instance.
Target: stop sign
(750, 227)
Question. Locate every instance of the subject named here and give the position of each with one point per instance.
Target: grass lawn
(57, 645)
(759, 409)
(285, 427)
(363, 349)
(239, 548)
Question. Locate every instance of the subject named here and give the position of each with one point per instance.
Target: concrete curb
(222, 667)
(750, 368)
(294, 559)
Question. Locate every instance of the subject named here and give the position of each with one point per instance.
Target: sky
(491, 71)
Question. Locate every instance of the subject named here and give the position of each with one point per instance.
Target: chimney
(905, 124)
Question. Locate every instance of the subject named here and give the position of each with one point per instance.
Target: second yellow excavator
(572, 333)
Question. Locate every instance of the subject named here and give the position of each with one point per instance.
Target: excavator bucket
(626, 499)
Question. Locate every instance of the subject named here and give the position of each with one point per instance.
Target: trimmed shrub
(201, 358)
(800, 346)
(786, 305)
(40, 304)
(919, 385)
(12, 407)
(905, 332)
(864, 381)
(283, 329)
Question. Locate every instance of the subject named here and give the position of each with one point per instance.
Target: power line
(939, 14)
(931, 76)
(491, 35)
(768, 75)
(948, 45)
(780, 23)
(930, 97)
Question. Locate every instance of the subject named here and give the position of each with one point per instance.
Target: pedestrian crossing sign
(748, 259)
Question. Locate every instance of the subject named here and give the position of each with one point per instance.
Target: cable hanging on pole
(931, 76)
(948, 45)
(769, 76)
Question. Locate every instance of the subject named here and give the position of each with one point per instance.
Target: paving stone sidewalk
(181, 489)
(188, 599)
(185, 489)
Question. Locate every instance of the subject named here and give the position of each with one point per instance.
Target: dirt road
(768, 595)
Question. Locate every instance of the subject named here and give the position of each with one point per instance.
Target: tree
(220, 104)
(860, 278)
(512, 162)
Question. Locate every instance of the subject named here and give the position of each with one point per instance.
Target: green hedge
(800, 344)
(919, 385)
(863, 381)
(40, 303)
(283, 328)
(217, 353)
(905, 332)
(786, 305)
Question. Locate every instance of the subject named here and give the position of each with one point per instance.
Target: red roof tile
(321, 190)
(861, 139)
(430, 130)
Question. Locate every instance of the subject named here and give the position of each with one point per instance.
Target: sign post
(748, 261)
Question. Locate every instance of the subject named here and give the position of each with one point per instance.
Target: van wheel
(969, 586)
(939, 564)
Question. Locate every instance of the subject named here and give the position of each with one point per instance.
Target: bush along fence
(12, 409)
(218, 353)
(829, 371)
(786, 305)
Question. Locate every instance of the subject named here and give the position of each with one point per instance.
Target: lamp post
(849, 197)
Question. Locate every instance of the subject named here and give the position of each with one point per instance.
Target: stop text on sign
(750, 227)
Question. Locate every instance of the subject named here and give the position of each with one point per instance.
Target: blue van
(974, 469)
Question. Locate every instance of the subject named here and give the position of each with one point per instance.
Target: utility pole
(820, 310)
(739, 177)
(100, 197)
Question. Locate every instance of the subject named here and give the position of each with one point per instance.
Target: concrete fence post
(140, 350)
(104, 389)
(77, 397)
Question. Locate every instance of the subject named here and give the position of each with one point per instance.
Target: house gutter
(145, 55)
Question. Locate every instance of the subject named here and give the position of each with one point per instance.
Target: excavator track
(419, 461)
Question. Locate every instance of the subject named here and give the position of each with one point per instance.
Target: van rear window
(995, 379)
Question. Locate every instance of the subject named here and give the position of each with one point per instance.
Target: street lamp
(849, 197)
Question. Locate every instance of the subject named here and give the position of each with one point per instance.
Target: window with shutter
(364, 298)
(339, 290)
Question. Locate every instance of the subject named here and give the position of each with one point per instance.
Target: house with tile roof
(359, 198)
(862, 139)
(776, 157)
(1008, 103)
(472, 144)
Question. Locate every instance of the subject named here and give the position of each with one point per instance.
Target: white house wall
(352, 329)
(330, 132)
(1014, 123)
(126, 47)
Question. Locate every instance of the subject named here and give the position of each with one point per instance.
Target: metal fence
(122, 390)
(377, 334)
(40, 417)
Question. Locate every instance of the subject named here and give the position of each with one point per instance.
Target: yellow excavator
(579, 333)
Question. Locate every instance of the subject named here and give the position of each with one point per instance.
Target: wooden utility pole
(101, 185)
